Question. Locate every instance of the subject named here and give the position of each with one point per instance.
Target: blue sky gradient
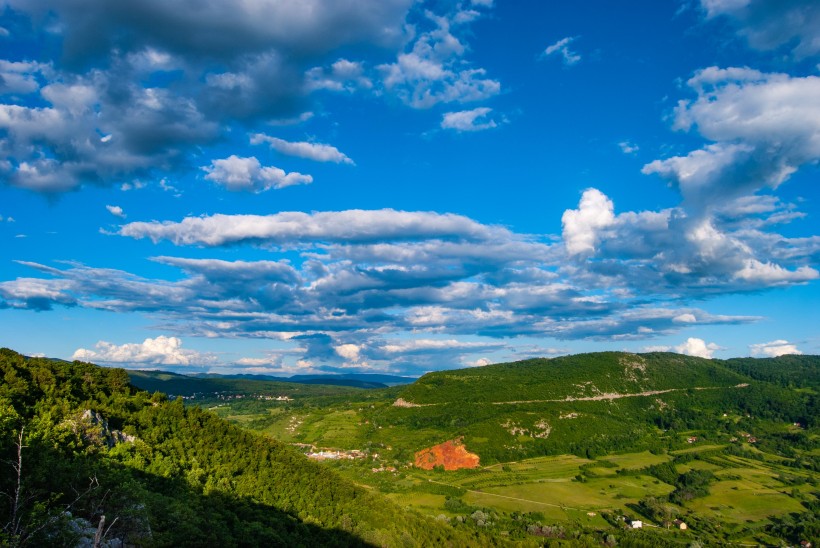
(402, 186)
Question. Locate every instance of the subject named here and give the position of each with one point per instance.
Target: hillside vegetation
(174, 384)
(578, 376)
(570, 447)
(87, 444)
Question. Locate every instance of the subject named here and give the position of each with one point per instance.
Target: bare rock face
(451, 454)
(104, 434)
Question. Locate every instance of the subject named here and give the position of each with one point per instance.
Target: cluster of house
(385, 469)
(230, 396)
(747, 437)
(336, 454)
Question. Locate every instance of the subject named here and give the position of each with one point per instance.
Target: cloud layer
(129, 96)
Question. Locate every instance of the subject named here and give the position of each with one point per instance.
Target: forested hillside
(577, 376)
(184, 385)
(78, 442)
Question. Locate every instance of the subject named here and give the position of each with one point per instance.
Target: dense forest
(86, 454)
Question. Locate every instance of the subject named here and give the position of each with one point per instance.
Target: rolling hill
(89, 446)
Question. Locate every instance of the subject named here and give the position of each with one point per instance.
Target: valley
(587, 450)
(593, 455)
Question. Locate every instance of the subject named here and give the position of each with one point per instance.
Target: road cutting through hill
(599, 397)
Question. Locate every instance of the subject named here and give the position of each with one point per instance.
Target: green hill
(578, 376)
(185, 385)
(87, 444)
(588, 404)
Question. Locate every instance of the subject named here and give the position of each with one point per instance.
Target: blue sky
(388, 185)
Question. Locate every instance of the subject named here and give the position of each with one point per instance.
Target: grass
(744, 500)
(635, 461)
(697, 465)
(593, 495)
(697, 449)
(420, 501)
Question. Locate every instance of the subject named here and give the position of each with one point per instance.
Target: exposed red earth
(451, 454)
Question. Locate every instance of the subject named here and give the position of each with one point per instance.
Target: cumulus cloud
(770, 25)
(697, 347)
(675, 252)
(432, 70)
(116, 211)
(92, 117)
(343, 75)
(161, 350)
(581, 226)
(356, 302)
(627, 147)
(311, 151)
(235, 173)
(773, 349)
(477, 119)
(691, 347)
(561, 47)
(763, 127)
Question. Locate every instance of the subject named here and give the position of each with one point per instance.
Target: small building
(636, 524)
(692, 439)
(681, 524)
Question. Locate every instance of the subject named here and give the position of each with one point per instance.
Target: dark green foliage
(184, 385)
(188, 479)
(581, 375)
(692, 484)
(786, 371)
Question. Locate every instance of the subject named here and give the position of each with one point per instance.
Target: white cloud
(133, 185)
(20, 78)
(291, 121)
(302, 149)
(433, 71)
(771, 275)
(581, 226)
(235, 173)
(101, 119)
(350, 352)
(162, 350)
(628, 147)
(764, 127)
(343, 75)
(697, 347)
(116, 211)
(769, 25)
(673, 251)
(295, 226)
(476, 119)
(691, 347)
(561, 47)
(773, 349)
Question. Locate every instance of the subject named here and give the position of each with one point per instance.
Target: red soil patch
(451, 454)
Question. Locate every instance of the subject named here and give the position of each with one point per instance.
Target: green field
(635, 461)
(741, 501)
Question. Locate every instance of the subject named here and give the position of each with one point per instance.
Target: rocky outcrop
(100, 432)
(452, 455)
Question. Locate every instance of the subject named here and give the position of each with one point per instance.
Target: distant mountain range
(204, 383)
